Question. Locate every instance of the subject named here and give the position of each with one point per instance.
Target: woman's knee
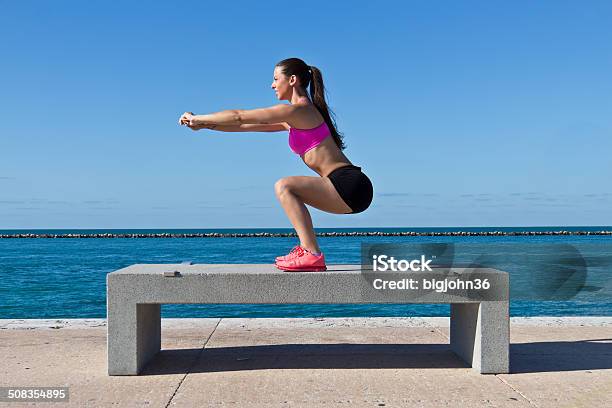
(283, 186)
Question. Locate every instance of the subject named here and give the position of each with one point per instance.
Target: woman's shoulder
(308, 117)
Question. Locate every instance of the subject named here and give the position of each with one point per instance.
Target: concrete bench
(479, 321)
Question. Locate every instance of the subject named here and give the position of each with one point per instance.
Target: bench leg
(480, 335)
(134, 336)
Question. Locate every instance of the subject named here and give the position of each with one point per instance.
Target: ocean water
(66, 278)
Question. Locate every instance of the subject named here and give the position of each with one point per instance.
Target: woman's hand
(198, 127)
(186, 119)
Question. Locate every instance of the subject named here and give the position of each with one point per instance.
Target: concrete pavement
(369, 362)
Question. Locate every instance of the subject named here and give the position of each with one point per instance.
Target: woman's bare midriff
(325, 158)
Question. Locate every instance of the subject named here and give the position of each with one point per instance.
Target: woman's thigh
(317, 192)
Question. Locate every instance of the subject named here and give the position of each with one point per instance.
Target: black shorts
(354, 187)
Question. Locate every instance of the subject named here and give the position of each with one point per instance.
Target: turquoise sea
(66, 278)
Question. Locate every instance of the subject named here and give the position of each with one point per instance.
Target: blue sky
(463, 113)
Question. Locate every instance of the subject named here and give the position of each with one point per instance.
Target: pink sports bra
(302, 140)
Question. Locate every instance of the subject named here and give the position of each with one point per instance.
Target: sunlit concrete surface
(369, 362)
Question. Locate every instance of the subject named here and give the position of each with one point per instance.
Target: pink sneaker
(303, 261)
(289, 255)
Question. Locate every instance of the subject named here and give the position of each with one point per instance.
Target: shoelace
(296, 249)
(298, 253)
(293, 250)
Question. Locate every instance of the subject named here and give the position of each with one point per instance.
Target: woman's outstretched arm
(273, 127)
(265, 116)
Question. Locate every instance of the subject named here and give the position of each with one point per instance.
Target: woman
(342, 188)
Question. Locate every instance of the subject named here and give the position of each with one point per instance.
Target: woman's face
(281, 85)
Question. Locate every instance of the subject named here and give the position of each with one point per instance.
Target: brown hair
(297, 67)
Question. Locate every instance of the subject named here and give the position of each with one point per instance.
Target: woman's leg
(294, 192)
